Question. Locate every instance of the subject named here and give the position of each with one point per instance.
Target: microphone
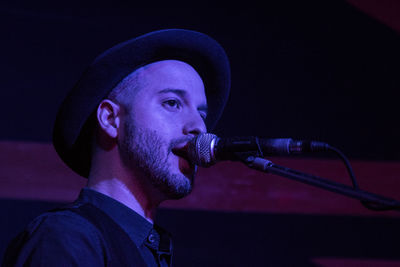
(206, 149)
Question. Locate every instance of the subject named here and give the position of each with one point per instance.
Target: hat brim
(72, 130)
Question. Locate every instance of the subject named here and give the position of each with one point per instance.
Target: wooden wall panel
(34, 171)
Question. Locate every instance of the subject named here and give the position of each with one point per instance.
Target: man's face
(165, 112)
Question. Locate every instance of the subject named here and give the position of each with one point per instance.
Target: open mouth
(185, 164)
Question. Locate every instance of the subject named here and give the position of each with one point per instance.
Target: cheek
(154, 116)
(156, 121)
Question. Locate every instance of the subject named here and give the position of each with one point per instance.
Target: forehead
(170, 74)
(168, 70)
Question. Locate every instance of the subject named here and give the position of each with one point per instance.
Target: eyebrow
(183, 93)
(179, 92)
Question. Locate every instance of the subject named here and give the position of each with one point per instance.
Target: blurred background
(316, 70)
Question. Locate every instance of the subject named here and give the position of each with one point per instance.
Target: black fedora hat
(72, 131)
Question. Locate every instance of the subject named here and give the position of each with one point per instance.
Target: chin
(176, 180)
(178, 185)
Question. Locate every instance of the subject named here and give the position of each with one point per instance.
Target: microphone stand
(368, 199)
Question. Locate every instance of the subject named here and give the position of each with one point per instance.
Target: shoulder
(63, 223)
(61, 236)
(58, 221)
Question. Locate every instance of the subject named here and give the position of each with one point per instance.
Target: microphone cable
(367, 204)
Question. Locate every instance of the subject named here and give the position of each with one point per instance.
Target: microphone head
(201, 149)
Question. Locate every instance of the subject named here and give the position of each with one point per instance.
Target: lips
(185, 164)
(181, 151)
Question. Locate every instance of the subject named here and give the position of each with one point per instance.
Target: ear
(109, 117)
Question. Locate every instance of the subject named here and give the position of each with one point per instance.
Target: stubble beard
(146, 153)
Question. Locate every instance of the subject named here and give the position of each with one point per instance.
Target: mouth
(185, 164)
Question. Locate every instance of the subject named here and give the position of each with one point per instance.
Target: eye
(203, 115)
(172, 103)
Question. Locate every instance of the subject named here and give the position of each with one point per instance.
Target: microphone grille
(201, 149)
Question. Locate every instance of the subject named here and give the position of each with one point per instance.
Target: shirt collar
(137, 227)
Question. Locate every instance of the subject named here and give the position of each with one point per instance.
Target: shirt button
(151, 238)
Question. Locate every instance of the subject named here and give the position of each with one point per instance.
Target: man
(125, 126)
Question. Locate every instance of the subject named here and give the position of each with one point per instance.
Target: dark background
(304, 69)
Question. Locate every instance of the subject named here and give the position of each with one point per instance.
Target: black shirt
(64, 238)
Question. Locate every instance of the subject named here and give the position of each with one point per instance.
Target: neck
(116, 181)
(121, 192)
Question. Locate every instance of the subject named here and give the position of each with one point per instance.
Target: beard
(146, 153)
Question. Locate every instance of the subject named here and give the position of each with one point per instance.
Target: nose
(194, 125)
